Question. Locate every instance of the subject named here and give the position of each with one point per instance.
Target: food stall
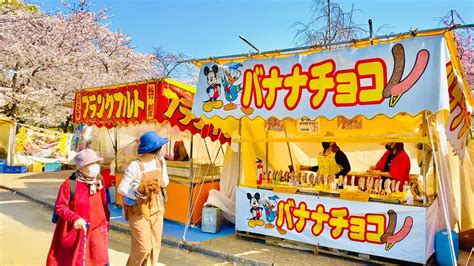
(120, 114)
(25, 147)
(41, 148)
(281, 106)
(7, 139)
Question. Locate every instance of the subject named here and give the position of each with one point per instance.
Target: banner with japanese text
(386, 230)
(134, 103)
(177, 111)
(400, 77)
(459, 124)
(116, 105)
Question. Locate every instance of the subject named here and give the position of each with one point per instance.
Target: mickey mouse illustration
(270, 204)
(232, 90)
(255, 210)
(214, 89)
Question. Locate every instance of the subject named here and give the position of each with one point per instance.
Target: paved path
(44, 187)
(26, 232)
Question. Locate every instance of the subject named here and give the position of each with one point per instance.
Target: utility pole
(329, 21)
(452, 17)
(371, 30)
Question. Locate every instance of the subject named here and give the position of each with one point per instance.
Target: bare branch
(317, 31)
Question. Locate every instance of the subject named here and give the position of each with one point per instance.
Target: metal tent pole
(423, 167)
(443, 196)
(116, 150)
(11, 144)
(288, 146)
(207, 150)
(266, 153)
(191, 182)
(239, 177)
(295, 49)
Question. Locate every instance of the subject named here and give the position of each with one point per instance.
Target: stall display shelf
(344, 194)
(303, 183)
(182, 169)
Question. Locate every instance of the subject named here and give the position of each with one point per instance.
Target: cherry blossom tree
(45, 58)
(463, 38)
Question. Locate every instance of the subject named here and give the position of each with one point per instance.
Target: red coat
(399, 168)
(67, 245)
(107, 178)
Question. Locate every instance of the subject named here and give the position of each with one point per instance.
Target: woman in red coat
(86, 210)
(394, 164)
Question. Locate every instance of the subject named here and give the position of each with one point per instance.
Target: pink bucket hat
(86, 157)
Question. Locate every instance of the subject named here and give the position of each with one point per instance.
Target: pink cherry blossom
(45, 59)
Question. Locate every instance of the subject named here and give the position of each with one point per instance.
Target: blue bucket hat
(150, 141)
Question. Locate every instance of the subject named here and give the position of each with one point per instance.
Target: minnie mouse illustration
(255, 210)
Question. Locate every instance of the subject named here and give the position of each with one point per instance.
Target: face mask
(326, 145)
(94, 170)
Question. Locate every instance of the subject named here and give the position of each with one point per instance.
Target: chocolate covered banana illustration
(396, 87)
(389, 237)
(400, 235)
(398, 66)
(392, 223)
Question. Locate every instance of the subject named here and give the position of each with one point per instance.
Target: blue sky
(211, 28)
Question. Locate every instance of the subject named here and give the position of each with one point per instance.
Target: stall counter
(393, 231)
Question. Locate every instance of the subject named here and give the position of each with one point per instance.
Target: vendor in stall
(331, 161)
(179, 152)
(394, 164)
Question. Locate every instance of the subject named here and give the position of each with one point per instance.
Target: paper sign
(307, 125)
